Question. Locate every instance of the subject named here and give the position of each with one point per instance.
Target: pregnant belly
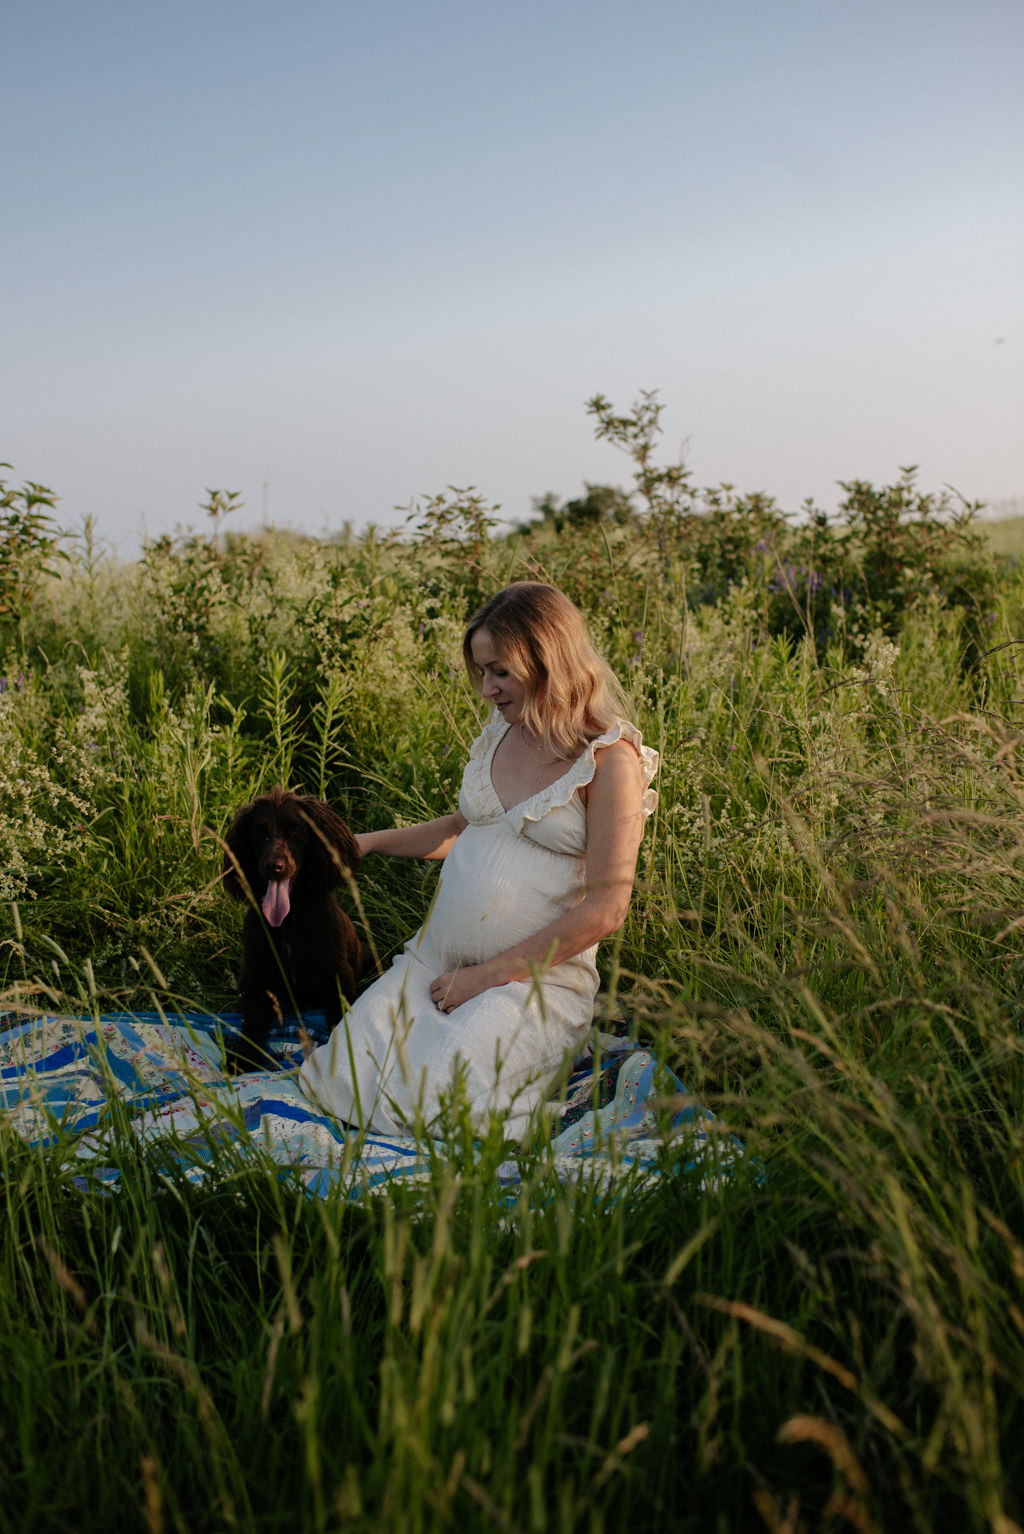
(496, 890)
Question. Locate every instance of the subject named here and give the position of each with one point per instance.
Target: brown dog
(285, 854)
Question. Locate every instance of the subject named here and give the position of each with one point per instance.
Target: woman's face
(498, 685)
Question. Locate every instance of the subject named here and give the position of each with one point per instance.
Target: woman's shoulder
(619, 752)
(625, 737)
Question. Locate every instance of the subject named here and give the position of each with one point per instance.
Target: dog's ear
(239, 867)
(331, 843)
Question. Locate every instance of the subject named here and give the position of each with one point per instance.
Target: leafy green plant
(666, 490)
(29, 544)
(905, 545)
(457, 525)
(218, 505)
(599, 504)
(887, 549)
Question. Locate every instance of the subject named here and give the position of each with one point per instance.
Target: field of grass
(825, 945)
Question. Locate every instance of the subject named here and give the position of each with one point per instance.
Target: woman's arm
(431, 839)
(614, 826)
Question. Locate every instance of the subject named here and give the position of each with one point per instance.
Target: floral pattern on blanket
(77, 1082)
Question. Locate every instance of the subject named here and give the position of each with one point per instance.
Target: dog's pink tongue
(276, 903)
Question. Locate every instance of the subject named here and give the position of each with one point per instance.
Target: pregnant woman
(498, 985)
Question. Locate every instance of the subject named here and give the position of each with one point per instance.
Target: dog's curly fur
(285, 854)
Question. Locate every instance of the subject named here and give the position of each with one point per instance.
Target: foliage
(457, 526)
(889, 548)
(219, 504)
(904, 546)
(601, 503)
(825, 943)
(666, 490)
(29, 542)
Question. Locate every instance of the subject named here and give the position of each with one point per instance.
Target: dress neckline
(563, 792)
(507, 809)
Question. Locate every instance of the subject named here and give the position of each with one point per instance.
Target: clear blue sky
(364, 249)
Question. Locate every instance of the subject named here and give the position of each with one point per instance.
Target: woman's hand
(458, 985)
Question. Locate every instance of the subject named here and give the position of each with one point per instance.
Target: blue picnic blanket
(74, 1083)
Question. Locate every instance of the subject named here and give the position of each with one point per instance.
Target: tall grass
(824, 944)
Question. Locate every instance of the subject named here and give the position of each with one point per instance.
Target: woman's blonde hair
(572, 696)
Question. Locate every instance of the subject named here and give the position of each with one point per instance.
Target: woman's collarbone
(519, 771)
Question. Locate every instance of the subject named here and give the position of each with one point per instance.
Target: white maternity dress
(394, 1059)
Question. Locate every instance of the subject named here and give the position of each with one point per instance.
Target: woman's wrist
(502, 970)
